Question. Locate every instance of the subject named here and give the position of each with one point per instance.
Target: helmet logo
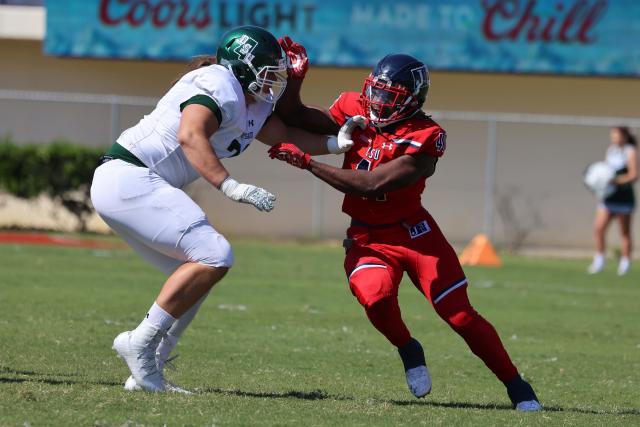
(419, 78)
(245, 47)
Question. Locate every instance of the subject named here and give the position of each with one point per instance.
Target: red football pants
(375, 264)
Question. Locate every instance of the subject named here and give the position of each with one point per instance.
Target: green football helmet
(256, 59)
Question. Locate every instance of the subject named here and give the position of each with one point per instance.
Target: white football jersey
(154, 139)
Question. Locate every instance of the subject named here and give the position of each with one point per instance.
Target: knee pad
(370, 283)
(462, 319)
(206, 246)
(219, 253)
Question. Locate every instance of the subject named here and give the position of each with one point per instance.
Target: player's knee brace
(462, 319)
(218, 253)
(206, 246)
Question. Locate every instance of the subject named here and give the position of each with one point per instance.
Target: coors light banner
(580, 37)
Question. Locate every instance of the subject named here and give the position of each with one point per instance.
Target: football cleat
(528, 406)
(131, 385)
(141, 360)
(522, 395)
(415, 368)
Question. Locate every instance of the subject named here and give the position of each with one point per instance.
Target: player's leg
(146, 209)
(440, 278)
(167, 265)
(374, 281)
(624, 220)
(600, 224)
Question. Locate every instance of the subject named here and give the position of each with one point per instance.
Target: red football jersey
(419, 134)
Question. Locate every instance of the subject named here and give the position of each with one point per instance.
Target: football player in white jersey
(210, 113)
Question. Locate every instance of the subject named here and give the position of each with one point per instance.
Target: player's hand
(291, 154)
(298, 62)
(247, 193)
(343, 142)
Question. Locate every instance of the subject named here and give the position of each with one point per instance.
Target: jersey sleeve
(431, 141)
(347, 105)
(212, 89)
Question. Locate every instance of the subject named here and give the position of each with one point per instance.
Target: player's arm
(294, 113)
(398, 173)
(290, 107)
(197, 124)
(275, 131)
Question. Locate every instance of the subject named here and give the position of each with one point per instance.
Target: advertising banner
(578, 37)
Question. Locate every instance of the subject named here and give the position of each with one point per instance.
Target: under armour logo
(386, 146)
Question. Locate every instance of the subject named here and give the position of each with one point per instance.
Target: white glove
(247, 193)
(343, 142)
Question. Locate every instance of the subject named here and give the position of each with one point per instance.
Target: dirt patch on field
(25, 238)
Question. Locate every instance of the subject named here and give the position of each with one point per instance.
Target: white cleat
(176, 389)
(419, 381)
(529, 406)
(131, 385)
(141, 360)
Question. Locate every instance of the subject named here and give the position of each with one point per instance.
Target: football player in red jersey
(395, 149)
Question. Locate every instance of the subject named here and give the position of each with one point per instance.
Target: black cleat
(522, 395)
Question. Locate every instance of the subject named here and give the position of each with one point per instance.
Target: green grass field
(281, 341)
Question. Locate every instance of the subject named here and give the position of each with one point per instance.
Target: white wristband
(332, 145)
(229, 188)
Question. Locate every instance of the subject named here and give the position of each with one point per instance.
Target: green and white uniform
(146, 205)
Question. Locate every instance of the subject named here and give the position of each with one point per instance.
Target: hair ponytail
(195, 63)
(628, 136)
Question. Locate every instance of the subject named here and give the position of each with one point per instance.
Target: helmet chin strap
(373, 118)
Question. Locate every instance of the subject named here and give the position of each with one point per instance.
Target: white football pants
(160, 222)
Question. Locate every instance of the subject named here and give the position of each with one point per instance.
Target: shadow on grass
(467, 405)
(40, 377)
(295, 394)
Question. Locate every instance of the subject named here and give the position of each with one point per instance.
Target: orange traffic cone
(480, 252)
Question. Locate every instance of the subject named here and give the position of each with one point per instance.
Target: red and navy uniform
(392, 234)
(416, 135)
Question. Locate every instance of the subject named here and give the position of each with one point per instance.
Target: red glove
(298, 63)
(291, 154)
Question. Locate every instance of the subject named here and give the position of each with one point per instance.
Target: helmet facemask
(386, 102)
(270, 81)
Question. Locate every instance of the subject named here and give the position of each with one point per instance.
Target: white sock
(159, 318)
(169, 342)
(145, 333)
